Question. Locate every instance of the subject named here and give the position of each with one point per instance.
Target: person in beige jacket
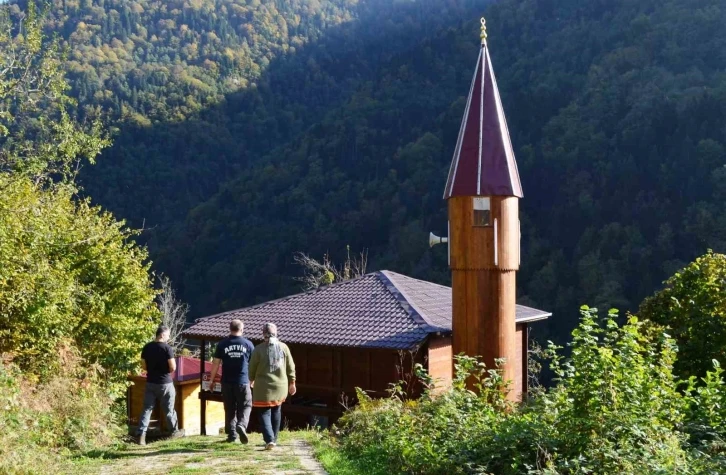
(272, 372)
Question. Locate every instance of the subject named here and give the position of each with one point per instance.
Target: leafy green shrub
(706, 419)
(616, 405)
(18, 455)
(616, 408)
(693, 306)
(425, 435)
(69, 270)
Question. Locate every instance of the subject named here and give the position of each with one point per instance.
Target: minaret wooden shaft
(484, 261)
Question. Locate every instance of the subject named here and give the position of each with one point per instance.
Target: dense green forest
(249, 130)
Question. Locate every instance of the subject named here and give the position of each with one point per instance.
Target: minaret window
(482, 211)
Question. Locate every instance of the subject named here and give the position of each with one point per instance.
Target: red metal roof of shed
(187, 368)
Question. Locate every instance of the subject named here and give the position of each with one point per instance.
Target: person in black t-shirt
(234, 354)
(157, 358)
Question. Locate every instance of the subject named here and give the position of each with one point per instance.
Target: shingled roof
(378, 310)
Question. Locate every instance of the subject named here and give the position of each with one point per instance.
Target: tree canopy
(693, 306)
(38, 137)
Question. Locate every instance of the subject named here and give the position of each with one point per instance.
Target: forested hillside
(250, 130)
(150, 61)
(201, 90)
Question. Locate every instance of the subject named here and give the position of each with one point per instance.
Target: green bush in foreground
(693, 306)
(41, 424)
(70, 271)
(616, 408)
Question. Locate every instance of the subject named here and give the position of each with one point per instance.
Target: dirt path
(207, 455)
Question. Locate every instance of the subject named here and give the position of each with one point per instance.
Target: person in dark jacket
(233, 353)
(157, 358)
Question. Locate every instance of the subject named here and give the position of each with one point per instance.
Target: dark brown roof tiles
(378, 310)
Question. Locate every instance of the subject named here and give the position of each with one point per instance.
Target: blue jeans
(166, 393)
(270, 423)
(237, 407)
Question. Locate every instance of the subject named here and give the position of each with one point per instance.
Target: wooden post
(202, 398)
(525, 360)
(129, 408)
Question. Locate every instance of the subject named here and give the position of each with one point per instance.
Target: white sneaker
(270, 446)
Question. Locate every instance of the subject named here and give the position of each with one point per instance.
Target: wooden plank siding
(484, 260)
(192, 408)
(440, 361)
(328, 376)
(344, 369)
(523, 330)
(520, 379)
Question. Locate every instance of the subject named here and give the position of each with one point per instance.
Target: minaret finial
(483, 31)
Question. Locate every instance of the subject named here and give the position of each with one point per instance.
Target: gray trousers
(166, 393)
(237, 407)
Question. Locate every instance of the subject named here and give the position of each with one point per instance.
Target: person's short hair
(269, 329)
(160, 330)
(236, 325)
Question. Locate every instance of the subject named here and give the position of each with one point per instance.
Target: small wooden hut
(367, 332)
(187, 383)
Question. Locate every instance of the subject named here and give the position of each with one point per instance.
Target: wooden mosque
(369, 332)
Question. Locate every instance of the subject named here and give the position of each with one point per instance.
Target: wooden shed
(367, 332)
(187, 383)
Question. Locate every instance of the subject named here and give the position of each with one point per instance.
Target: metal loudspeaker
(434, 239)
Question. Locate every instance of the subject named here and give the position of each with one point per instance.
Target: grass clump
(45, 419)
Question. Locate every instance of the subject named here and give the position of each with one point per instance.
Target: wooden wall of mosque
(440, 361)
(326, 373)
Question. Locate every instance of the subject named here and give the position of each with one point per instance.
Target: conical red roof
(483, 163)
